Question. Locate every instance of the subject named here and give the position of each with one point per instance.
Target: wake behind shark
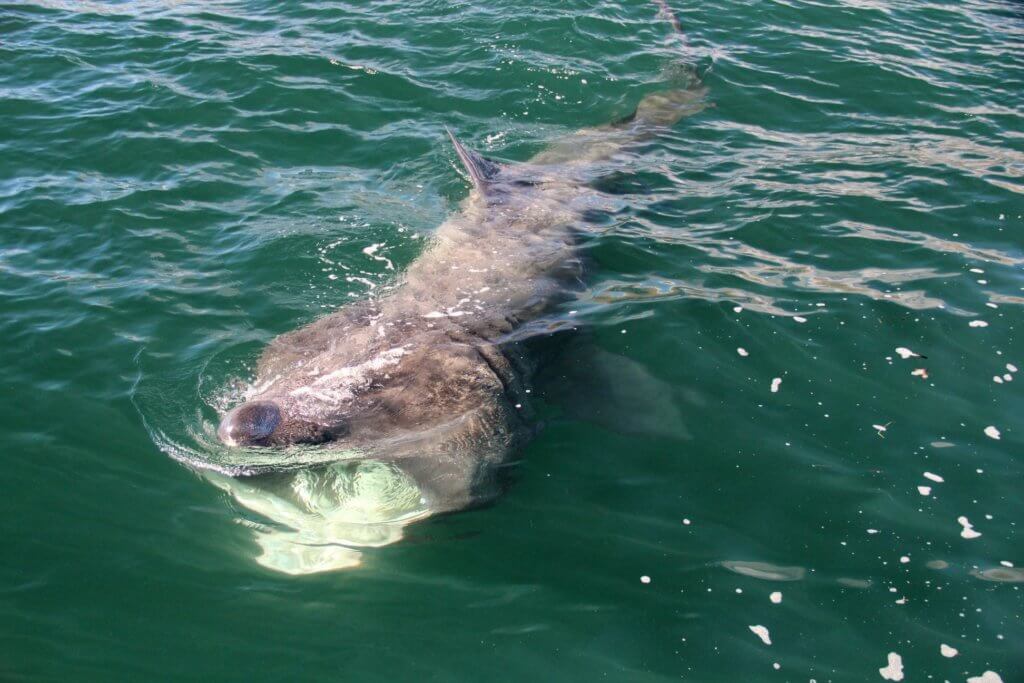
(420, 396)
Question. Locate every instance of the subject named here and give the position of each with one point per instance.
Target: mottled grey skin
(430, 375)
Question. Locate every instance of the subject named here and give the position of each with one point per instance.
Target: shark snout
(250, 424)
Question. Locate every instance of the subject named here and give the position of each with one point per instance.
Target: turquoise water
(181, 182)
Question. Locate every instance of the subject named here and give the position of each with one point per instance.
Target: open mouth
(323, 517)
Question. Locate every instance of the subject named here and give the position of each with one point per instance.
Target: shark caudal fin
(479, 169)
(685, 96)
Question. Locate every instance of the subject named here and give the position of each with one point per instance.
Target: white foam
(894, 670)
(362, 280)
(371, 252)
(968, 531)
(987, 677)
(978, 323)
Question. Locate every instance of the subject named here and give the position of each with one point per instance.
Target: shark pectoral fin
(615, 392)
(480, 169)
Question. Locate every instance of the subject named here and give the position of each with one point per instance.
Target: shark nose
(250, 424)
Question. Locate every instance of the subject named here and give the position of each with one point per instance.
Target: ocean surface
(807, 463)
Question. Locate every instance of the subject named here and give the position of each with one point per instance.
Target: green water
(180, 182)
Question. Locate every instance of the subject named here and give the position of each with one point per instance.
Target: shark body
(412, 401)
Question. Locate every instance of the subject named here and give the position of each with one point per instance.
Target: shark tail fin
(480, 169)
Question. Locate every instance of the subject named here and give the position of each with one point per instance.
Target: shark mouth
(318, 520)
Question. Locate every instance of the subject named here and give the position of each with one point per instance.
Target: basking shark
(417, 398)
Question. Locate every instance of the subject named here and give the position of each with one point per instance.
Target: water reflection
(1000, 574)
(765, 570)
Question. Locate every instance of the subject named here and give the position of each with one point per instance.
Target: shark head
(318, 399)
(422, 389)
(380, 371)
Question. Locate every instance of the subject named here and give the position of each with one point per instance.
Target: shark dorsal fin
(480, 170)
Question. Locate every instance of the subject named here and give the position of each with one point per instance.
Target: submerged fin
(616, 393)
(480, 170)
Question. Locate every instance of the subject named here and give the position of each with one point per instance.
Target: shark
(411, 403)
